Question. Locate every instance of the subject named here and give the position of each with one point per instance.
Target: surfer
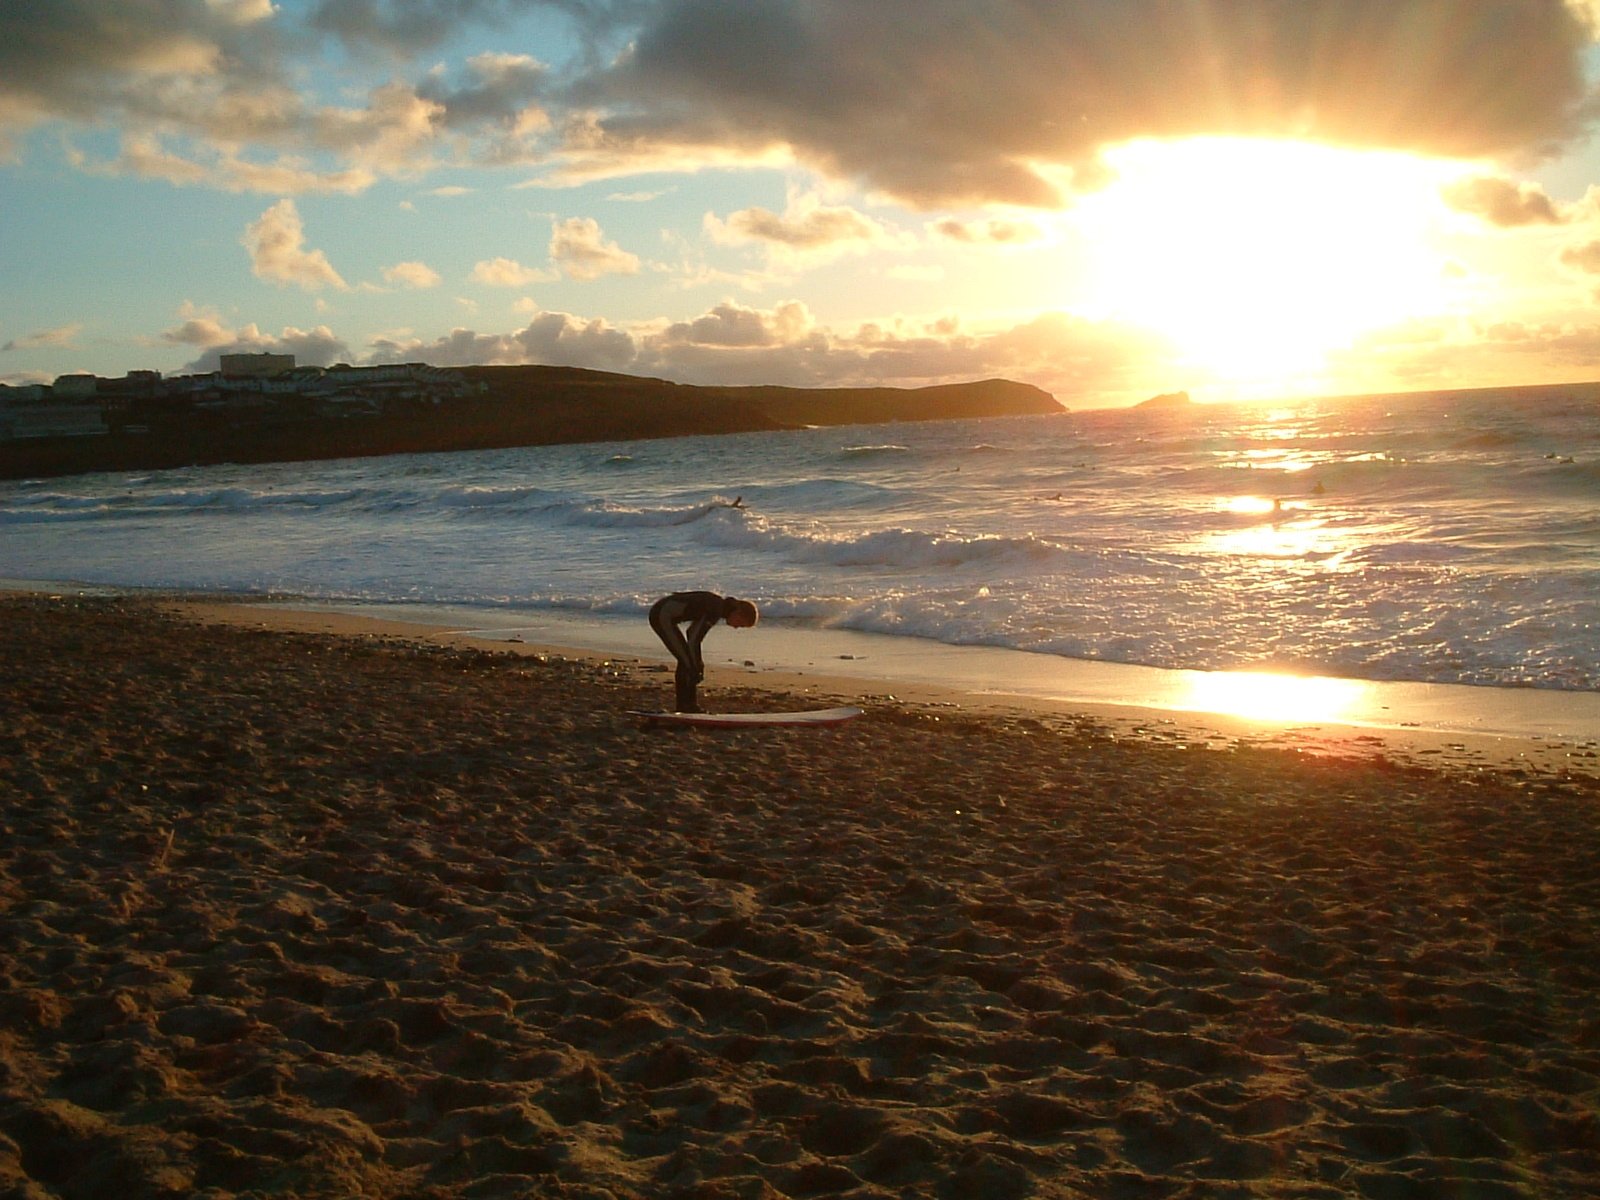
(701, 610)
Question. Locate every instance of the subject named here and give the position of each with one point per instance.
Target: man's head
(741, 614)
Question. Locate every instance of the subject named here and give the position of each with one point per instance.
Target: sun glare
(1257, 259)
(1261, 695)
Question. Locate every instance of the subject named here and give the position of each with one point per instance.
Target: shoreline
(1457, 727)
(367, 911)
(1452, 726)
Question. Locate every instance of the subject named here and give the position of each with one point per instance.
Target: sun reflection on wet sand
(1264, 695)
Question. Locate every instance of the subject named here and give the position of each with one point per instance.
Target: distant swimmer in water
(701, 610)
(737, 502)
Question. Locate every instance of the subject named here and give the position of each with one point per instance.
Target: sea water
(1430, 538)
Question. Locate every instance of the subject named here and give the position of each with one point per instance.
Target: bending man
(700, 611)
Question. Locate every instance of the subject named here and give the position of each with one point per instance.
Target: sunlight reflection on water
(1266, 695)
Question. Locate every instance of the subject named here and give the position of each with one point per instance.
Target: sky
(1109, 199)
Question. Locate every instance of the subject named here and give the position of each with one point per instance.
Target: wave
(877, 450)
(58, 506)
(826, 494)
(898, 548)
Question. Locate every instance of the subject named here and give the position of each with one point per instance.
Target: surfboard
(814, 716)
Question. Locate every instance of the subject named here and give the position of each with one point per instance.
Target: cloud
(1481, 354)
(1504, 203)
(199, 328)
(806, 232)
(730, 325)
(731, 344)
(498, 104)
(276, 242)
(995, 231)
(61, 337)
(242, 12)
(412, 275)
(318, 347)
(214, 92)
(580, 250)
(549, 338)
(507, 272)
(934, 102)
(145, 157)
(914, 273)
(1583, 257)
(638, 197)
(941, 102)
(564, 340)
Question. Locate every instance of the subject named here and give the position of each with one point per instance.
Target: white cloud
(199, 328)
(580, 250)
(507, 272)
(58, 338)
(242, 12)
(276, 242)
(412, 275)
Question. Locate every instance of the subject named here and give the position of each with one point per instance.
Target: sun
(1257, 259)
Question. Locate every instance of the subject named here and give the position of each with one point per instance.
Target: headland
(144, 422)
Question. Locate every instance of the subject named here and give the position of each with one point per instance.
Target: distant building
(76, 385)
(257, 366)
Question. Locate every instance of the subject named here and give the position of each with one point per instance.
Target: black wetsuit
(701, 610)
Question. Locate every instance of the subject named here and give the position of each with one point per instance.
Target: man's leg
(686, 681)
(686, 677)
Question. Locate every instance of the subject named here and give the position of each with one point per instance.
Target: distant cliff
(516, 406)
(1167, 400)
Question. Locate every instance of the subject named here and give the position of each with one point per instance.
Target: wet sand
(301, 914)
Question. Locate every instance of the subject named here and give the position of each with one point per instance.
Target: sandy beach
(333, 914)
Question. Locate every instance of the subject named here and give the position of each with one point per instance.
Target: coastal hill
(1167, 400)
(500, 407)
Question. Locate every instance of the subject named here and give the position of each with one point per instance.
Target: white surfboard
(814, 716)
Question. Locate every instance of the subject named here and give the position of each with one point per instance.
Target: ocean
(1448, 539)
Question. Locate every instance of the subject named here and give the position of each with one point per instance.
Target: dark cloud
(726, 325)
(227, 74)
(948, 101)
(500, 88)
(550, 339)
(1504, 203)
(563, 340)
(404, 28)
(73, 58)
(937, 102)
